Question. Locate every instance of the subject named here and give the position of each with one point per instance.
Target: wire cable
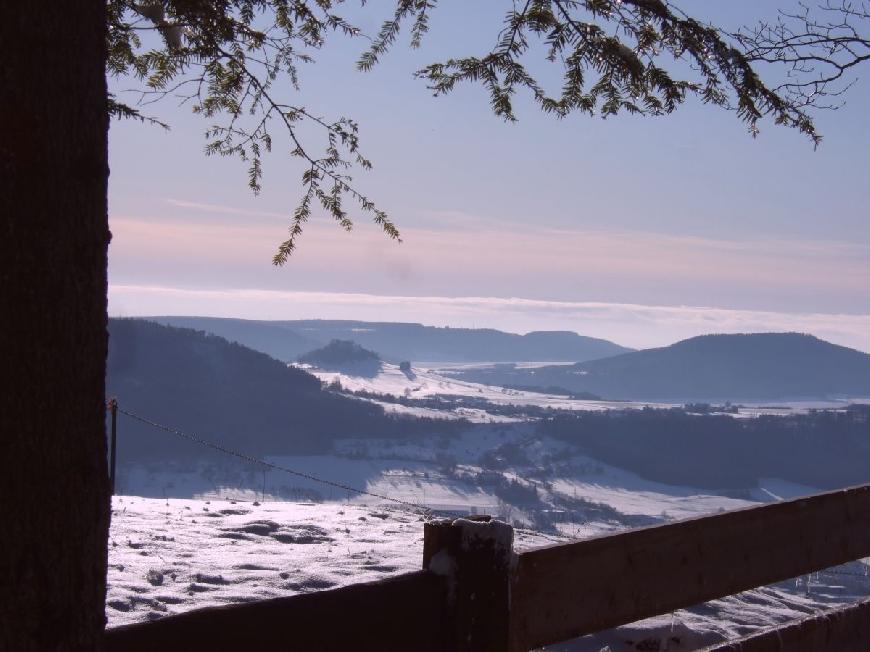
(270, 465)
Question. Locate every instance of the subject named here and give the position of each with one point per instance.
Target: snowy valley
(205, 528)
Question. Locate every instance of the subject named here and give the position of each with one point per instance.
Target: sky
(639, 230)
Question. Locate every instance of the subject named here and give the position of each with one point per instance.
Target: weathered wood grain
(400, 613)
(474, 555)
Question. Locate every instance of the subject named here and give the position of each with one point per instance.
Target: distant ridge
(747, 367)
(270, 337)
(395, 342)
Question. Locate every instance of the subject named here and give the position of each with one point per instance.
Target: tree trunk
(54, 508)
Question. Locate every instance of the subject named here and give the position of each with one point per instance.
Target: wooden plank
(400, 613)
(564, 591)
(839, 630)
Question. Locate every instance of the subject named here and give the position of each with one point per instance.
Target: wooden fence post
(475, 555)
(113, 446)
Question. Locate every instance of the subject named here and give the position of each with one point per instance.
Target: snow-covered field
(435, 381)
(171, 555)
(422, 382)
(168, 556)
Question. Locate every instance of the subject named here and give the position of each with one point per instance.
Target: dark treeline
(228, 393)
(824, 449)
(556, 390)
(447, 402)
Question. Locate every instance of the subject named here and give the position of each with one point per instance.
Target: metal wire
(270, 465)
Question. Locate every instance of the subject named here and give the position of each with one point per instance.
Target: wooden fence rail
(476, 594)
(564, 591)
(401, 613)
(844, 629)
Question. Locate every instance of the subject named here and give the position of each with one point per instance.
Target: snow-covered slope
(170, 556)
(424, 382)
(468, 473)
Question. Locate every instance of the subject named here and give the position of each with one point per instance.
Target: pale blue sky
(580, 218)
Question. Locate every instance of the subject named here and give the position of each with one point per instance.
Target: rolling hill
(745, 367)
(345, 356)
(205, 385)
(275, 339)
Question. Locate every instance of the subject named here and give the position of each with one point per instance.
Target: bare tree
(816, 50)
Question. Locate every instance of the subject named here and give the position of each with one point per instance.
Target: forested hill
(395, 342)
(346, 357)
(223, 391)
(337, 353)
(759, 366)
(823, 449)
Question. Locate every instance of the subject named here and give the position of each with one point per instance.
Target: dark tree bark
(54, 508)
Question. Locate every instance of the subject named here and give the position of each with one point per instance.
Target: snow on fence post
(475, 556)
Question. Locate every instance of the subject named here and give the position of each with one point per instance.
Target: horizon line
(630, 324)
